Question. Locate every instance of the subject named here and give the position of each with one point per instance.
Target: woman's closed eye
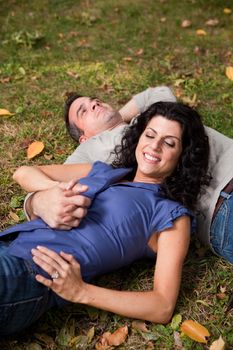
(169, 143)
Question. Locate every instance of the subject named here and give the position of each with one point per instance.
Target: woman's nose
(156, 145)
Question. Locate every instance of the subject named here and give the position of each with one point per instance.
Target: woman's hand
(66, 279)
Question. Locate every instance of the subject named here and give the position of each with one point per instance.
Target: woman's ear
(83, 138)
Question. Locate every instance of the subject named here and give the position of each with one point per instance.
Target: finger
(79, 188)
(79, 201)
(70, 258)
(49, 268)
(46, 282)
(50, 257)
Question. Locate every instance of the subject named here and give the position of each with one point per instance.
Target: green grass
(49, 48)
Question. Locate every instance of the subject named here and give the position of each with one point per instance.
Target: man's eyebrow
(79, 109)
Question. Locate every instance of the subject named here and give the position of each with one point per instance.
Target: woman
(142, 206)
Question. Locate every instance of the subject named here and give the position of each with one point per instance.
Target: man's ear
(83, 138)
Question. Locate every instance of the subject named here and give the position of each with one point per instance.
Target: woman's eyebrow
(173, 136)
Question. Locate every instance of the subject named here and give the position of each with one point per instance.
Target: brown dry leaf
(5, 80)
(5, 113)
(218, 344)
(201, 32)
(150, 345)
(221, 296)
(163, 19)
(72, 74)
(116, 338)
(212, 22)
(128, 59)
(195, 331)
(229, 72)
(34, 149)
(139, 52)
(186, 23)
(227, 11)
(191, 101)
(48, 156)
(223, 289)
(140, 326)
(14, 216)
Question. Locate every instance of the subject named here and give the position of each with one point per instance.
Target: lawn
(113, 49)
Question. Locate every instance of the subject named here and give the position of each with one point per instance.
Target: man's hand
(61, 207)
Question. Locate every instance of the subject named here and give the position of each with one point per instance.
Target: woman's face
(158, 150)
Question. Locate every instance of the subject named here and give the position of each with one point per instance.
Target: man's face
(92, 116)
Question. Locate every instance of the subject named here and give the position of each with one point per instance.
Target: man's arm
(140, 102)
(58, 207)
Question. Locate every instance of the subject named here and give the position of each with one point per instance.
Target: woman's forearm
(148, 305)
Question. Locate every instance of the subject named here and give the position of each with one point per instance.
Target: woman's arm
(37, 178)
(156, 305)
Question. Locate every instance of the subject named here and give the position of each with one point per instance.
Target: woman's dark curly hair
(186, 181)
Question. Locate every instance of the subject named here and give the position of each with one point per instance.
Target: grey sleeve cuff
(153, 94)
(25, 203)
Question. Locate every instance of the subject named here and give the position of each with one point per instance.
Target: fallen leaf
(116, 338)
(177, 340)
(90, 334)
(229, 72)
(5, 112)
(191, 101)
(150, 346)
(227, 11)
(5, 80)
(140, 326)
(195, 331)
(212, 22)
(176, 321)
(14, 216)
(201, 32)
(139, 52)
(218, 344)
(186, 23)
(128, 59)
(48, 156)
(221, 296)
(223, 289)
(34, 149)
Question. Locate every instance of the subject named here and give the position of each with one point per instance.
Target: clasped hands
(62, 206)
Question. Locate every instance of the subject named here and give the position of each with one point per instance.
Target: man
(98, 128)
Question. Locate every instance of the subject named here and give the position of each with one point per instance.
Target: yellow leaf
(229, 72)
(201, 32)
(227, 11)
(14, 216)
(5, 112)
(195, 331)
(34, 149)
(218, 344)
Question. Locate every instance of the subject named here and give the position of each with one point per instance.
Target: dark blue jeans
(221, 232)
(22, 299)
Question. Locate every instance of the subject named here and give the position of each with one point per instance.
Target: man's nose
(94, 103)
